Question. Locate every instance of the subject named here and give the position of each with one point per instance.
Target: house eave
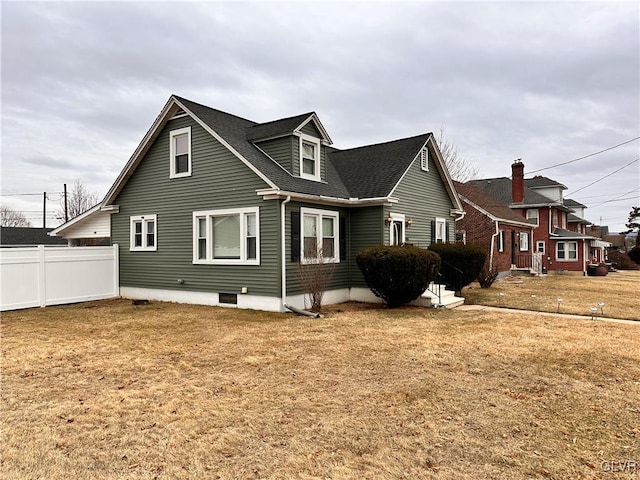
(273, 194)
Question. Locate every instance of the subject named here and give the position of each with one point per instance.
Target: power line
(586, 156)
(606, 176)
(29, 194)
(618, 199)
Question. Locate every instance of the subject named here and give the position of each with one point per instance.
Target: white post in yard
(42, 280)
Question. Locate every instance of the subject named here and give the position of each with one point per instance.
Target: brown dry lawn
(619, 291)
(108, 390)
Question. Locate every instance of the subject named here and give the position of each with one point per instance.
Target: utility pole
(66, 206)
(44, 210)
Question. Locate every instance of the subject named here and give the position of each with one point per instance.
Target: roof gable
(372, 171)
(542, 182)
(288, 126)
(481, 200)
(500, 188)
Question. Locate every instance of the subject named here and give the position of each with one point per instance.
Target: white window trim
(501, 241)
(208, 214)
(441, 221)
(397, 217)
(172, 149)
(566, 251)
(316, 142)
(537, 217)
(523, 248)
(544, 247)
(144, 219)
(424, 159)
(336, 230)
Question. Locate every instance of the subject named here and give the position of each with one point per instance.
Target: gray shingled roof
(492, 205)
(576, 219)
(571, 203)
(276, 128)
(561, 232)
(542, 182)
(365, 172)
(28, 236)
(500, 188)
(373, 170)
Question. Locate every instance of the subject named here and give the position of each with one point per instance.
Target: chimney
(517, 181)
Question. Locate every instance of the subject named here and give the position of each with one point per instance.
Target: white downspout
(493, 239)
(283, 274)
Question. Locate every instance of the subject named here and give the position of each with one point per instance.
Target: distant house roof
(542, 182)
(500, 188)
(571, 218)
(568, 234)
(477, 197)
(571, 203)
(28, 236)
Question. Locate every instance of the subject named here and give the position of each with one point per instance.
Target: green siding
(341, 272)
(311, 130)
(219, 180)
(366, 231)
(422, 197)
(281, 150)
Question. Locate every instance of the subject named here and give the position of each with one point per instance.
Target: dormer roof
(542, 182)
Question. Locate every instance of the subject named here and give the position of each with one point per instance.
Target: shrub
(315, 277)
(487, 276)
(634, 254)
(467, 259)
(398, 274)
(621, 260)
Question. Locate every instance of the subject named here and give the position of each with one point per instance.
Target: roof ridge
(308, 114)
(178, 97)
(345, 150)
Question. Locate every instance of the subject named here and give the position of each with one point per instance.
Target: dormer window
(309, 158)
(424, 159)
(180, 152)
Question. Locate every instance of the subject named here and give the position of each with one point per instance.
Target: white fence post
(42, 277)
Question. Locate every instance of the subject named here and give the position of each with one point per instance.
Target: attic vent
(179, 113)
(424, 159)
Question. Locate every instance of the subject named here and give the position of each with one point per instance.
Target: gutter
(272, 194)
(493, 241)
(283, 274)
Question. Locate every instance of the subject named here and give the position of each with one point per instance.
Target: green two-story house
(215, 209)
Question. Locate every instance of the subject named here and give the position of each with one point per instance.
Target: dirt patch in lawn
(111, 390)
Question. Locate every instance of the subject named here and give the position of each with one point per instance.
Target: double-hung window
(143, 229)
(309, 157)
(567, 251)
(230, 236)
(524, 241)
(180, 152)
(320, 235)
(540, 246)
(532, 214)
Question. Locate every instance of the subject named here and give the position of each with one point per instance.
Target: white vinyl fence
(40, 276)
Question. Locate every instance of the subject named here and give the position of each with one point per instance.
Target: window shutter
(343, 238)
(433, 231)
(295, 236)
(446, 233)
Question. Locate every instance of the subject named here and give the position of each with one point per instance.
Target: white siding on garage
(98, 225)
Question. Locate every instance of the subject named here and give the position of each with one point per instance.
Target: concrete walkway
(484, 308)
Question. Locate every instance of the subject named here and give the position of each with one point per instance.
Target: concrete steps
(448, 298)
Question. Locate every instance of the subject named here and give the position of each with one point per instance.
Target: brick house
(494, 226)
(558, 237)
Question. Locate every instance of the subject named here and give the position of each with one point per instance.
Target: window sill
(142, 249)
(226, 262)
(180, 175)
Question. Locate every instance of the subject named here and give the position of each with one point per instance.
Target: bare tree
(79, 200)
(314, 276)
(460, 168)
(11, 218)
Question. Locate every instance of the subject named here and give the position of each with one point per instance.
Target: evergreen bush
(468, 259)
(398, 274)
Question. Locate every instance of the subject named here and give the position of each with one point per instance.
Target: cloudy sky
(545, 82)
